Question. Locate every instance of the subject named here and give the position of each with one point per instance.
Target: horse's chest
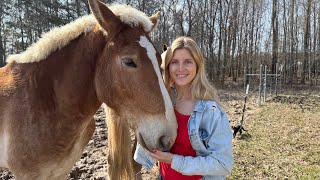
(60, 168)
(63, 167)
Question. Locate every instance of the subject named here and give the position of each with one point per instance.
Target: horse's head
(128, 77)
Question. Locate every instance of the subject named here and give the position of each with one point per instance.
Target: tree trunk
(220, 41)
(314, 45)
(274, 36)
(234, 41)
(291, 58)
(317, 64)
(190, 6)
(306, 42)
(2, 53)
(284, 45)
(226, 44)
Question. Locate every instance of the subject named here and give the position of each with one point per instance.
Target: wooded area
(235, 36)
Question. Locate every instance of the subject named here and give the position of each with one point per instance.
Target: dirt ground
(92, 165)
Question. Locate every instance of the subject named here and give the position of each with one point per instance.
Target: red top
(182, 146)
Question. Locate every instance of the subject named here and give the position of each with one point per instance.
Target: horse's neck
(69, 73)
(80, 68)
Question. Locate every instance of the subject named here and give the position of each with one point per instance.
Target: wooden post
(276, 79)
(260, 85)
(265, 83)
(244, 79)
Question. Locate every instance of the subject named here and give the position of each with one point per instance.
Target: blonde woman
(203, 148)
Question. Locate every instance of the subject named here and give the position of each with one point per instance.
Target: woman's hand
(161, 156)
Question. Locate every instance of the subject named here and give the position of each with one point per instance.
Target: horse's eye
(129, 62)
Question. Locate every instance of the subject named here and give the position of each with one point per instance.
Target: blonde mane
(59, 37)
(120, 161)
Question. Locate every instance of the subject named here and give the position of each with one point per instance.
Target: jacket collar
(199, 106)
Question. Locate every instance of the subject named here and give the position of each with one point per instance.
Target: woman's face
(182, 68)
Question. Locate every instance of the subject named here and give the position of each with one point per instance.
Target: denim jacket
(210, 136)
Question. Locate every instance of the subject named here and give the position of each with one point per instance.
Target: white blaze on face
(4, 142)
(151, 52)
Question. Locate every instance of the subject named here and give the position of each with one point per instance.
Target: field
(282, 140)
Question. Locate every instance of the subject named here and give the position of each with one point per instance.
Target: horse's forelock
(132, 17)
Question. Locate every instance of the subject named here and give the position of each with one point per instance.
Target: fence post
(280, 77)
(276, 79)
(244, 79)
(265, 83)
(260, 86)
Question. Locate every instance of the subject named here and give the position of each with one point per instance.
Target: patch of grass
(283, 143)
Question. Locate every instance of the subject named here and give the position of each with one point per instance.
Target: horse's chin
(155, 133)
(165, 146)
(143, 143)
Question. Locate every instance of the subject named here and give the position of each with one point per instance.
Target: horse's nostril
(164, 143)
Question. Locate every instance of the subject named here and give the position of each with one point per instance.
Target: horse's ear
(164, 47)
(106, 18)
(154, 20)
(165, 51)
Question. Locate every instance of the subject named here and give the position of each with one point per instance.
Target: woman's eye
(129, 62)
(173, 62)
(188, 62)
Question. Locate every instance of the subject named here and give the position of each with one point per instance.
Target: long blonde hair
(200, 87)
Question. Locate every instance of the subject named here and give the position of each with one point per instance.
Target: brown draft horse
(50, 92)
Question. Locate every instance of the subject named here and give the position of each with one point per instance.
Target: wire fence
(264, 83)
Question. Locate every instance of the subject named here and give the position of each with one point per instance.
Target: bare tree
(306, 42)
(190, 6)
(292, 42)
(231, 34)
(234, 30)
(275, 25)
(313, 60)
(211, 34)
(227, 25)
(2, 39)
(284, 40)
(317, 64)
(245, 66)
(223, 37)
